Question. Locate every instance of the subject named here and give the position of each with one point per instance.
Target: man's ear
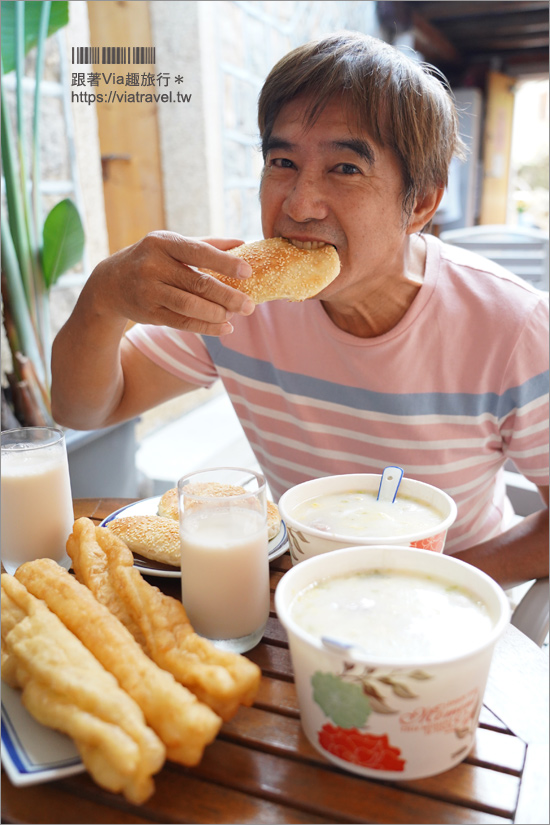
(424, 209)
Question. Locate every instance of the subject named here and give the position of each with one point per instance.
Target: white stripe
(540, 474)
(290, 465)
(275, 479)
(363, 415)
(475, 485)
(253, 432)
(536, 451)
(464, 520)
(162, 355)
(413, 444)
(462, 493)
(470, 489)
(541, 401)
(182, 344)
(473, 533)
(541, 426)
(469, 511)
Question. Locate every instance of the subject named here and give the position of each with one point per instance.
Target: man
(417, 354)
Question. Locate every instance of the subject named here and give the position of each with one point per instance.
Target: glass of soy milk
(37, 507)
(224, 555)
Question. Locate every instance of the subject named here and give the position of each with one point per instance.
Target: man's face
(331, 183)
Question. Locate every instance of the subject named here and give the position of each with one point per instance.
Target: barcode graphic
(118, 55)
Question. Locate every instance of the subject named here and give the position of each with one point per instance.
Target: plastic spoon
(389, 484)
(339, 646)
(336, 644)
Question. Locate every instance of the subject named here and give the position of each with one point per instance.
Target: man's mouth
(307, 244)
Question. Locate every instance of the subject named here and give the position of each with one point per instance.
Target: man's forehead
(297, 114)
(334, 128)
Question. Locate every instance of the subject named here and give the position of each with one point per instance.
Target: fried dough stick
(184, 724)
(221, 679)
(66, 688)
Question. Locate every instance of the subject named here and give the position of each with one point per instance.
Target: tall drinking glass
(37, 507)
(224, 555)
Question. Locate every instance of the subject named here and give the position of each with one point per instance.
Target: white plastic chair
(531, 616)
(532, 612)
(521, 249)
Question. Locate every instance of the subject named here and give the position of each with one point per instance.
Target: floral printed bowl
(305, 541)
(380, 717)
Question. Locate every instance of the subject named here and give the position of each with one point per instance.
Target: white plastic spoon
(389, 484)
(340, 646)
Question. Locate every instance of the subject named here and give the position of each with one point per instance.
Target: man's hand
(156, 281)
(518, 555)
(97, 380)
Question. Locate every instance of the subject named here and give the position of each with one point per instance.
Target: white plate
(148, 507)
(32, 753)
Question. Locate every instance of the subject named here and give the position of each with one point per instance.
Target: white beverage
(225, 572)
(37, 512)
(392, 614)
(358, 513)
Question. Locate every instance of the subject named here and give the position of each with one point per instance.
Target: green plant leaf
(15, 202)
(63, 241)
(26, 331)
(59, 17)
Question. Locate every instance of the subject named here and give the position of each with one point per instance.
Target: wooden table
(262, 769)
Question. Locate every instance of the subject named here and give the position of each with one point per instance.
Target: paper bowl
(415, 718)
(306, 541)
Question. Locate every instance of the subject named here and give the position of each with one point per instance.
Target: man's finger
(198, 253)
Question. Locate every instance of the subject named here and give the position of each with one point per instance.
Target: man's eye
(281, 163)
(348, 169)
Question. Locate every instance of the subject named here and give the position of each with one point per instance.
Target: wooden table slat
(488, 719)
(498, 750)
(477, 786)
(327, 791)
(273, 660)
(182, 796)
(277, 696)
(55, 803)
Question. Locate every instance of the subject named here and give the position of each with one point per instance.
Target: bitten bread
(281, 270)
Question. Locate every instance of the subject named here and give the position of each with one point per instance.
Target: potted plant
(35, 251)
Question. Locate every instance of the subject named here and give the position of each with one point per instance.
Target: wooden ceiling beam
(431, 43)
(436, 10)
(499, 45)
(501, 24)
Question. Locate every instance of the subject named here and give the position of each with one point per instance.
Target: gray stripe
(405, 404)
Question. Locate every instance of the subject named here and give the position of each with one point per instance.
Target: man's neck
(379, 308)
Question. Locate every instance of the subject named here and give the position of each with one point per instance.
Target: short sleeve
(182, 354)
(523, 415)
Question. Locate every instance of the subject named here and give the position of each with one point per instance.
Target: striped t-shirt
(459, 385)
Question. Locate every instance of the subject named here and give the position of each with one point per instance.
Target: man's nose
(305, 201)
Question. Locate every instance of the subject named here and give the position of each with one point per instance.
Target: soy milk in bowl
(391, 652)
(342, 511)
(358, 513)
(366, 609)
